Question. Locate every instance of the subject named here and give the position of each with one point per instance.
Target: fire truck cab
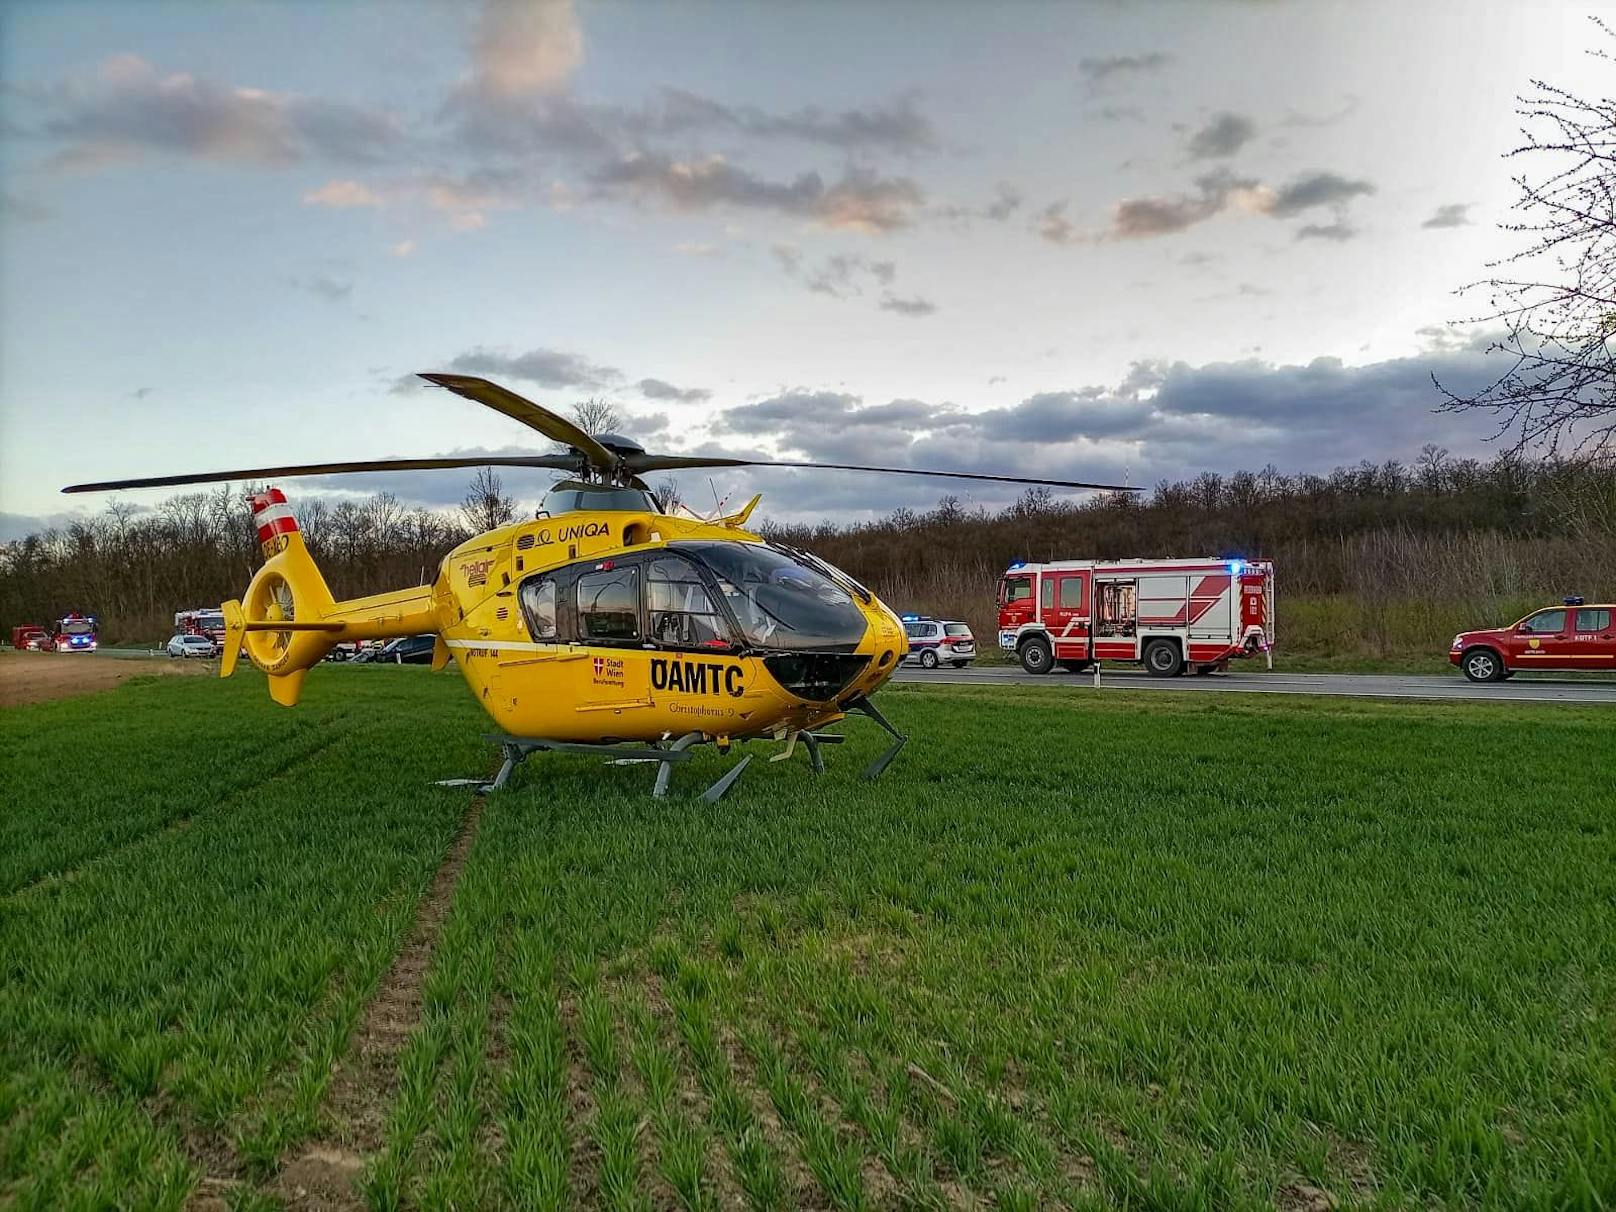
(73, 632)
(1171, 615)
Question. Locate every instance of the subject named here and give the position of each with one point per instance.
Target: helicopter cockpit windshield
(779, 602)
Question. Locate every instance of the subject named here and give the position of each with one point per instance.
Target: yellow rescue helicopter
(604, 625)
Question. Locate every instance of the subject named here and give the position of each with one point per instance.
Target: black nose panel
(815, 676)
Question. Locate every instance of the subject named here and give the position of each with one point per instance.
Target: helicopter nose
(817, 677)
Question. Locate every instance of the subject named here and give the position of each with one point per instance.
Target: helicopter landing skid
(515, 750)
(864, 707)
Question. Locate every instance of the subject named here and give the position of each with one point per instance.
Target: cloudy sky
(1081, 240)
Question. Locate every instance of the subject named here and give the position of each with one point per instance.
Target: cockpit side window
(679, 610)
(539, 607)
(609, 605)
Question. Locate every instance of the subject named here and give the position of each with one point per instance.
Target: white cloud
(342, 195)
(128, 108)
(526, 48)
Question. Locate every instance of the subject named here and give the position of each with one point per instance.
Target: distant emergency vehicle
(28, 636)
(1168, 614)
(934, 641)
(208, 621)
(74, 632)
(1574, 636)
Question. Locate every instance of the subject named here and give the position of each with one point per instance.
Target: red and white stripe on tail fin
(273, 517)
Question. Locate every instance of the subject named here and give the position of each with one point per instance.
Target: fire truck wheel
(1482, 665)
(1163, 659)
(1036, 655)
(928, 659)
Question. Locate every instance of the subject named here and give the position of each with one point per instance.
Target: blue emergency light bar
(1235, 566)
(909, 618)
(1573, 601)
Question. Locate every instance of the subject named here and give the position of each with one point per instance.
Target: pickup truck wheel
(1036, 655)
(1482, 665)
(1163, 659)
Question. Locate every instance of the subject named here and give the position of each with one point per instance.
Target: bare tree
(1557, 298)
(486, 507)
(597, 415)
(666, 495)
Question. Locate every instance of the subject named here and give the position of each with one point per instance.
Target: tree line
(1360, 553)
(1437, 529)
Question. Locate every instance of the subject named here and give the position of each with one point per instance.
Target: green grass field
(1074, 949)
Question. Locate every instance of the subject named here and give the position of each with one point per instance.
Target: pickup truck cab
(1575, 635)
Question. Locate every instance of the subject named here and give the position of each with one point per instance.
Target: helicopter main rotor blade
(642, 463)
(551, 425)
(558, 462)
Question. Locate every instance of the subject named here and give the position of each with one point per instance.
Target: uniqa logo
(578, 530)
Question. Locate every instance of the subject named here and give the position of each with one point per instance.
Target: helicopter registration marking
(501, 646)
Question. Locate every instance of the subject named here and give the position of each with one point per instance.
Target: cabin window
(1549, 622)
(1071, 593)
(539, 607)
(1017, 589)
(1046, 593)
(609, 605)
(1592, 620)
(678, 608)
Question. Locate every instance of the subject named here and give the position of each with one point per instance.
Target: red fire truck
(1172, 615)
(73, 632)
(205, 620)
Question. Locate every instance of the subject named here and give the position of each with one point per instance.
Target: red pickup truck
(1573, 636)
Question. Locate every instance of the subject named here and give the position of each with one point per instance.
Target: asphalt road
(1536, 689)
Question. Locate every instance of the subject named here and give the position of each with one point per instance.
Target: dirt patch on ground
(323, 1173)
(34, 677)
(321, 1178)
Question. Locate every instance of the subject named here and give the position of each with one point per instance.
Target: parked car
(933, 642)
(1573, 636)
(406, 650)
(29, 637)
(192, 646)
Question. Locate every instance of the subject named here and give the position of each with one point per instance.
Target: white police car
(934, 642)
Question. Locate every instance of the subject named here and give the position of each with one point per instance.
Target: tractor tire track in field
(362, 1088)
